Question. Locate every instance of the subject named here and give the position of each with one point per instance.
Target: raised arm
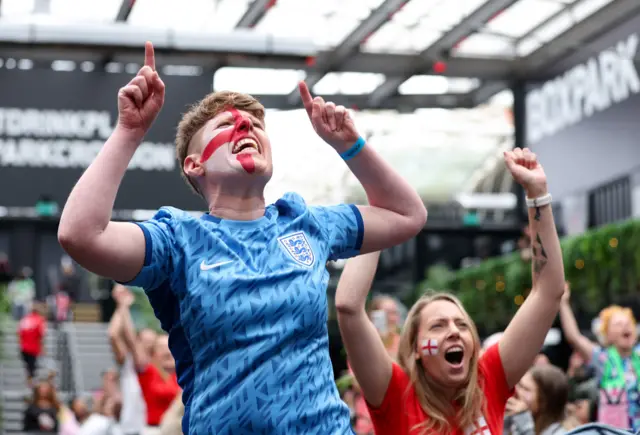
(118, 346)
(525, 335)
(112, 249)
(369, 360)
(570, 328)
(138, 352)
(396, 212)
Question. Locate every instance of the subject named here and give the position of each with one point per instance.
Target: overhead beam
(487, 90)
(334, 59)
(254, 13)
(402, 103)
(441, 47)
(583, 32)
(391, 65)
(125, 10)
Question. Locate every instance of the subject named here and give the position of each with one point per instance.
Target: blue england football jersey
(245, 306)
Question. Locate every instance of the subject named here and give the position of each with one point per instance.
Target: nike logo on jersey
(204, 266)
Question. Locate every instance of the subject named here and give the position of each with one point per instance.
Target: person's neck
(236, 204)
(624, 353)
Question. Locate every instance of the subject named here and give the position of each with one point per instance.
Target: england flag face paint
(237, 145)
(430, 347)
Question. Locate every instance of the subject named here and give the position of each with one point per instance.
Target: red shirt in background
(400, 410)
(158, 392)
(32, 329)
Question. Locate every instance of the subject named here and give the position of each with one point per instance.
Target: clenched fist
(140, 101)
(527, 171)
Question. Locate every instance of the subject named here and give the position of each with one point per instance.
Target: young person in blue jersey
(241, 291)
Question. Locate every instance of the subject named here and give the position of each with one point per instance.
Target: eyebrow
(439, 319)
(228, 116)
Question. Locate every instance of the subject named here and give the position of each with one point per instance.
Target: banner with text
(583, 124)
(53, 124)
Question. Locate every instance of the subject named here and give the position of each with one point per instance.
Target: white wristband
(540, 201)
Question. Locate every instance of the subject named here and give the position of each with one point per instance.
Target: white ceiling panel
(194, 15)
(485, 45)
(523, 16)
(348, 83)
(327, 22)
(259, 81)
(437, 85)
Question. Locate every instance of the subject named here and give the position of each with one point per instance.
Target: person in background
(32, 330)
(22, 292)
(155, 369)
(42, 413)
(385, 316)
(133, 416)
(539, 404)
(617, 363)
(104, 420)
(70, 281)
(581, 408)
(440, 384)
(80, 409)
(172, 420)
(5, 269)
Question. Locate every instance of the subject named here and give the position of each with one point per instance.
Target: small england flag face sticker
(429, 347)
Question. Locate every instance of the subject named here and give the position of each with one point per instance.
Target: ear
(192, 166)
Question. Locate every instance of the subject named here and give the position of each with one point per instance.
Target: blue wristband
(354, 150)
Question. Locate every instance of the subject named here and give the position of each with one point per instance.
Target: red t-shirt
(32, 329)
(400, 410)
(158, 392)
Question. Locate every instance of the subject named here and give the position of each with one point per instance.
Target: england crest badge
(299, 248)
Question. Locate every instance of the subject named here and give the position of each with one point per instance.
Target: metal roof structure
(400, 62)
(369, 54)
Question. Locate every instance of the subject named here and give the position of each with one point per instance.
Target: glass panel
(257, 80)
(437, 85)
(348, 83)
(418, 24)
(326, 22)
(484, 45)
(195, 15)
(523, 16)
(528, 46)
(585, 8)
(73, 10)
(555, 27)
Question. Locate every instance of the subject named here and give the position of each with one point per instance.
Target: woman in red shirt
(157, 377)
(440, 383)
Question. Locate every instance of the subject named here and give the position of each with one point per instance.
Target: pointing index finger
(305, 96)
(149, 56)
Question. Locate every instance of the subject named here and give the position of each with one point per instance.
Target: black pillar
(519, 89)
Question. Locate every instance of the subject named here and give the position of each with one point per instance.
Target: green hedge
(602, 265)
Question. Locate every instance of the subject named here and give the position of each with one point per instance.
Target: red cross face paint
(238, 139)
(429, 347)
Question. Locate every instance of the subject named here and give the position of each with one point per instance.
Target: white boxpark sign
(602, 81)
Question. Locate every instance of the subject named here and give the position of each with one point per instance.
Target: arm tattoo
(539, 256)
(537, 215)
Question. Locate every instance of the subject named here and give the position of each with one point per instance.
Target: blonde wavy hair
(607, 314)
(470, 398)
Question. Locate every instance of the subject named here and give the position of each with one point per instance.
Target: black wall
(43, 89)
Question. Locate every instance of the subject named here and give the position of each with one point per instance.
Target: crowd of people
(140, 396)
(242, 292)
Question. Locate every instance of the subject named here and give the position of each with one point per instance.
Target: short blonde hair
(607, 314)
(204, 110)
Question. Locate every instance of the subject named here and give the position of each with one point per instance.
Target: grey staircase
(91, 354)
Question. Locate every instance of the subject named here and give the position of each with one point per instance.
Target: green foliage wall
(602, 265)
